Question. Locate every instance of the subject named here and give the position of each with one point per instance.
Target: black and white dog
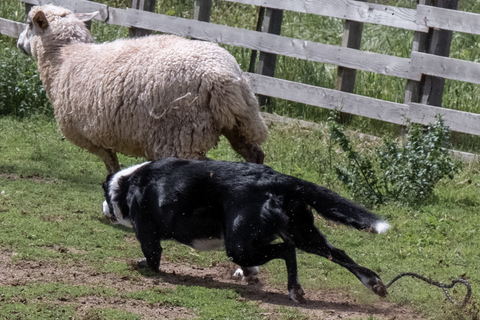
(205, 204)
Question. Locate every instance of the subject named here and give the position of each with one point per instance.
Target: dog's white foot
(238, 273)
(142, 263)
(297, 294)
(252, 275)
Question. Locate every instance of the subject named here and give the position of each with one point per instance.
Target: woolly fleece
(151, 97)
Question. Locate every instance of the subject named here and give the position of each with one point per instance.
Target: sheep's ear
(40, 20)
(84, 17)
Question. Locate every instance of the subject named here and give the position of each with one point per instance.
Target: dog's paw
(238, 274)
(379, 288)
(251, 278)
(375, 284)
(296, 294)
(142, 264)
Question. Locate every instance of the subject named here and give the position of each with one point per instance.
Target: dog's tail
(336, 208)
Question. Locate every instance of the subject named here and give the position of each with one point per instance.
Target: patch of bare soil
(321, 304)
(34, 177)
(148, 311)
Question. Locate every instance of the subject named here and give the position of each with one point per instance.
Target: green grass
(50, 210)
(205, 303)
(51, 207)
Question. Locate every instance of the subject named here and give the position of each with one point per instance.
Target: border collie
(245, 206)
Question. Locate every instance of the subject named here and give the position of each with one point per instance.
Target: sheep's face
(23, 42)
(55, 27)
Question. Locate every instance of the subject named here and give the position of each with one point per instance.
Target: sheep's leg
(110, 159)
(108, 156)
(249, 151)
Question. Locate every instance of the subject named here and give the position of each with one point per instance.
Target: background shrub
(404, 173)
(21, 91)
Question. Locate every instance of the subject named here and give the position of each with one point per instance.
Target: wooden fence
(425, 70)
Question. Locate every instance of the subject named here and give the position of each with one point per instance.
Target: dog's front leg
(294, 287)
(153, 253)
(151, 248)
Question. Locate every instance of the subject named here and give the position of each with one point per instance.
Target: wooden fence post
(352, 37)
(412, 89)
(146, 5)
(429, 90)
(28, 7)
(202, 10)
(439, 44)
(88, 24)
(253, 56)
(272, 23)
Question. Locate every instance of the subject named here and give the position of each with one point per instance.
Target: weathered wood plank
(364, 106)
(307, 50)
(448, 19)
(348, 9)
(328, 98)
(445, 67)
(11, 28)
(459, 121)
(76, 6)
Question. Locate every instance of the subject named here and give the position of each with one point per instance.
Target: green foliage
(21, 91)
(404, 174)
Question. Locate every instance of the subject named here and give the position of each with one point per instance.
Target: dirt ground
(321, 304)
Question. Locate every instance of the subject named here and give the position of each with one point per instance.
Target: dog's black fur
(247, 205)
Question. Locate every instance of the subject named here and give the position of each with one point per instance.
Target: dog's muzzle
(106, 212)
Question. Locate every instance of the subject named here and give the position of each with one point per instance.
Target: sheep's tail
(336, 208)
(257, 126)
(236, 108)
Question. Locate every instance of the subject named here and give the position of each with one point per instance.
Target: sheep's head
(53, 27)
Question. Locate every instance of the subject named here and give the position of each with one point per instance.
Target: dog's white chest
(207, 244)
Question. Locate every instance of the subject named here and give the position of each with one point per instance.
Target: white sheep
(151, 97)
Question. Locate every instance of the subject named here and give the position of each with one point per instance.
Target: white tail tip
(381, 226)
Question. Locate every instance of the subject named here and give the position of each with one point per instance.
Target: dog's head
(107, 204)
(115, 189)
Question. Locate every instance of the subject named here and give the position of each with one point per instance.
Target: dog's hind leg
(309, 239)
(247, 255)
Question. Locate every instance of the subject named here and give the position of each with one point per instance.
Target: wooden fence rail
(419, 64)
